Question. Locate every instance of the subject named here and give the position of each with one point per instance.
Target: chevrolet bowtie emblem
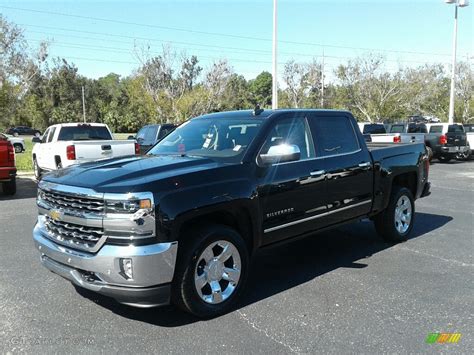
(55, 215)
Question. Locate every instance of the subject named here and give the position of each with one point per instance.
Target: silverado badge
(55, 215)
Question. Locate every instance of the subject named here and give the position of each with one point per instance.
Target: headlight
(127, 206)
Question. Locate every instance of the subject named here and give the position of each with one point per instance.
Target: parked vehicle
(414, 132)
(7, 167)
(24, 130)
(181, 223)
(391, 133)
(18, 143)
(467, 155)
(368, 128)
(446, 140)
(66, 144)
(149, 135)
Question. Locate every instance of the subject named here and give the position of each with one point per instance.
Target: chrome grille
(73, 235)
(72, 203)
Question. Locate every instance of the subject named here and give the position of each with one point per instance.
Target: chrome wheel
(217, 272)
(403, 214)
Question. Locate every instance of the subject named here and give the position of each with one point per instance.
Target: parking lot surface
(342, 291)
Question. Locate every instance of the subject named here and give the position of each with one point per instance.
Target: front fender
(231, 198)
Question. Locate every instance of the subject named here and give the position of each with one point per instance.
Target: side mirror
(280, 154)
(36, 140)
(131, 137)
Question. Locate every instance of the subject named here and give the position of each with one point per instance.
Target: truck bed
(381, 151)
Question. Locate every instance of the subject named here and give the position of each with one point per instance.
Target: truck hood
(128, 174)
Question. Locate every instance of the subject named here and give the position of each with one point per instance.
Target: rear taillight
(11, 153)
(137, 148)
(443, 139)
(71, 152)
(397, 139)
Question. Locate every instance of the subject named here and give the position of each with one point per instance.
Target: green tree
(260, 89)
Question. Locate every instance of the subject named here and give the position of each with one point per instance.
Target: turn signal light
(397, 139)
(137, 148)
(145, 204)
(71, 152)
(443, 139)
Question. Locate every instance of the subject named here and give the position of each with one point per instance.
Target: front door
(292, 194)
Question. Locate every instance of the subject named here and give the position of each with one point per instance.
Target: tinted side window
(291, 130)
(51, 134)
(164, 131)
(45, 136)
(333, 135)
(142, 132)
(436, 129)
(150, 135)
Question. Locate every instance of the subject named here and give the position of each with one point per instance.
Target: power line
(125, 50)
(220, 34)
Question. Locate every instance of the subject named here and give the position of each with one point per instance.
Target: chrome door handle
(364, 165)
(317, 173)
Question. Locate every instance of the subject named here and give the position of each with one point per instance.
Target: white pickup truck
(63, 145)
(379, 134)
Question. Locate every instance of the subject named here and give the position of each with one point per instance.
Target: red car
(7, 167)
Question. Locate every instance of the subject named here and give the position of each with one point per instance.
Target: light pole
(457, 3)
(274, 59)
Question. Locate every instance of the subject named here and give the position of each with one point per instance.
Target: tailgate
(94, 150)
(412, 137)
(456, 139)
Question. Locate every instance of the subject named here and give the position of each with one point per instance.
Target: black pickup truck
(181, 223)
(446, 141)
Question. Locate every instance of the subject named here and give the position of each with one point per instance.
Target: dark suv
(151, 134)
(23, 130)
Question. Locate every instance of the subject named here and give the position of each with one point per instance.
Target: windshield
(218, 138)
(84, 133)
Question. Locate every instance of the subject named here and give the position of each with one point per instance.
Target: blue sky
(396, 29)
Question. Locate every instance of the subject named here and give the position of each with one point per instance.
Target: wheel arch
(238, 218)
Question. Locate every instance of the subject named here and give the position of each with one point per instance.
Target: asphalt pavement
(342, 291)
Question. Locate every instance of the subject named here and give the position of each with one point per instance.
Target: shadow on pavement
(25, 188)
(281, 268)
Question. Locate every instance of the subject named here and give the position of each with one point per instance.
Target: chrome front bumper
(153, 269)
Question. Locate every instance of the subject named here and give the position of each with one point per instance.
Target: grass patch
(24, 161)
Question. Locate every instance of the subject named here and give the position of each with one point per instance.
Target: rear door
(291, 195)
(347, 165)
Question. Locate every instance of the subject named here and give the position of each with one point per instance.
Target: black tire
(18, 148)
(445, 158)
(184, 291)
(37, 170)
(466, 155)
(429, 151)
(385, 222)
(9, 188)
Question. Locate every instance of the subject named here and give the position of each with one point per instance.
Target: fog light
(127, 268)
